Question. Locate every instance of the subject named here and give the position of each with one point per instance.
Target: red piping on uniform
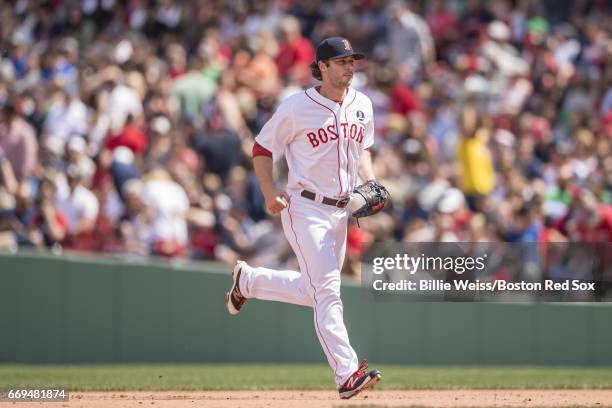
(338, 144)
(314, 291)
(348, 142)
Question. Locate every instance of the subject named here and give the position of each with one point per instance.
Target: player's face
(340, 72)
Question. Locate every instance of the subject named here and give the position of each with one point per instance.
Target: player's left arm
(366, 172)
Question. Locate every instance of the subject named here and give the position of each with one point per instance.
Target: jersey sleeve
(278, 131)
(369, 130)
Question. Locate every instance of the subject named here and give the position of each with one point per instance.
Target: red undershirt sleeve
(259, 150)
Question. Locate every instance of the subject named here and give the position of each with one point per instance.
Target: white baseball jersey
(321, 139)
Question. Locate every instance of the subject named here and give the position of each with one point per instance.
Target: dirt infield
(320, 399)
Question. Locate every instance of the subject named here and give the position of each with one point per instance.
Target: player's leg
(271, 284)
(315, 232)
(362, 378)
(276, 285)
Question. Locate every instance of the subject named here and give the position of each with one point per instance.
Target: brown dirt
(320, 399)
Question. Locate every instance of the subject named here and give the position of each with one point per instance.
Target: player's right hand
(276, 201)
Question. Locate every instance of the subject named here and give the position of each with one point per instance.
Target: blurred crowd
(126, 127)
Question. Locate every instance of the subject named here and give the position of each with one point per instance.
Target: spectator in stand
(410, 41)
(80, 206)
(8, 181)
(477, 173)
(76, 154)
(501, 53)
(123, 101)
(444, 26)
(169, 204)
(590, 220)
(193, 89)
(295, 53)
(135, 225)
(49, 225)
(67, 115)
(131, 137)
(18, 144)
(27, 223)
(401, 98)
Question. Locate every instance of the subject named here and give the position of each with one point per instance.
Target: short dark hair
(316, 71)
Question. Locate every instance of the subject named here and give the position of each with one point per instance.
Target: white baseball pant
(317, 234)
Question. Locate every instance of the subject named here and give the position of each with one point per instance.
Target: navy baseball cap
(334, 48)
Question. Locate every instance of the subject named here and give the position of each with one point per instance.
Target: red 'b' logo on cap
(347, 45)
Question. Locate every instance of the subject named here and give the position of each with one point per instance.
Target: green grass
(89, 377)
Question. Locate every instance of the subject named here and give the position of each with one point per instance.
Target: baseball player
(324, 133)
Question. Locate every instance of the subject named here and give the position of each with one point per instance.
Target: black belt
(341, 203)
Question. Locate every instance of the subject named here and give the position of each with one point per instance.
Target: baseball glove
(375, 196)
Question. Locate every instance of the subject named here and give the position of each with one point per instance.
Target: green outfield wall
(73, 309)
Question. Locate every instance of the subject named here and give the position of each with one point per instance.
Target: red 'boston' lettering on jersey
(323, 135)
(353, 131)
(344, 126)
(312, 138)
(332, 130)
(349, 131)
